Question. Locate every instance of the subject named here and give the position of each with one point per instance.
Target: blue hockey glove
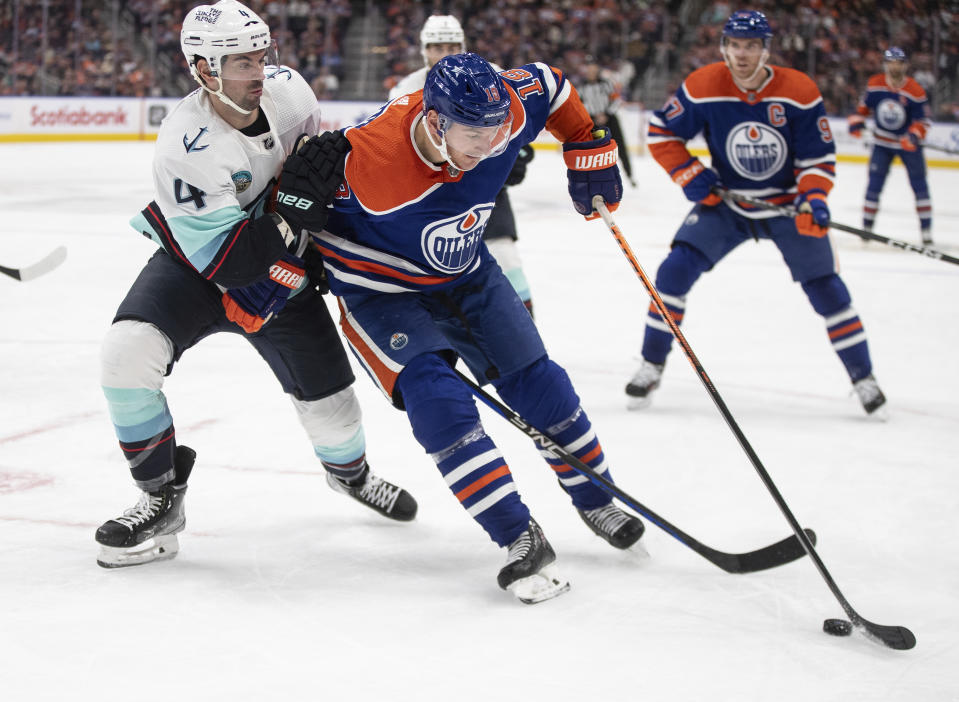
(812, 218)
(310, 178)
(592, 170)
(697, 182)
(254, 305)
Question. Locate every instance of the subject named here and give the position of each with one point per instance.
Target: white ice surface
(286, 590)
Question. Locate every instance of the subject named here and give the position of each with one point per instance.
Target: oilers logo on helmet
(755, 150)
(450, 245)
(890, 114)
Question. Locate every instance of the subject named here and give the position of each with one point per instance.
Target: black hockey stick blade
(785, 551)
(777, 554)
(44, 265)
(896, 637)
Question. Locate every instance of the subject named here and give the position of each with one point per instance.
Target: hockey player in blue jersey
(768, 138)
(418, 289)
(900, 109)
(227, 265)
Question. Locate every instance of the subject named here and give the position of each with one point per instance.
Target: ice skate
(530, 572)
(613, 525)
(147, 531)
(873, 401)
(926, 237)
(380, 495)
(642, 385)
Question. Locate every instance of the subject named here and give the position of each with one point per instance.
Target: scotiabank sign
(41, 119)
(79, 117)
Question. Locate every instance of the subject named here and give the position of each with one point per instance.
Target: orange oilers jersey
(770, 143)
(401, 223)
(895, 110)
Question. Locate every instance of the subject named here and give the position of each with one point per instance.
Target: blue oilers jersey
(402, 223)
(769, 143)
(895, 110)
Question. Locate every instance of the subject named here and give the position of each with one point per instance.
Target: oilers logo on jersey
(450, 245)
(890, 114)
(756, 150)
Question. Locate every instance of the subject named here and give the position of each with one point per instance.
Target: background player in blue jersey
(900, 109)
(768, 137)
(418, 288)
(225, 265)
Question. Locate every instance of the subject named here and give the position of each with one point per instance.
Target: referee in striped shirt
(602, 101)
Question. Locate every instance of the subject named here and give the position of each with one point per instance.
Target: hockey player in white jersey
(441, 36)
(227, 263)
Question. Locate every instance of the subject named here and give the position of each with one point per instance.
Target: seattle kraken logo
(890, 115)
(450, 245)
(755, 150)
(191, 145)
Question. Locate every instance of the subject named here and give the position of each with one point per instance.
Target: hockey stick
(776, 554)
(943, 149)
(789, 211)
(897, 637)
(44, 265)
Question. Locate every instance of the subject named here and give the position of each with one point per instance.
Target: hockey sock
(675, 277)
(446, 423)
(544, 396)
(924, 211)
(830, 298)
(869, 209)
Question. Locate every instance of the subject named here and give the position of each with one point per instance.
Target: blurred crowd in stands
(131, 47)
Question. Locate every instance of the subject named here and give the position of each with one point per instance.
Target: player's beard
(250, 100)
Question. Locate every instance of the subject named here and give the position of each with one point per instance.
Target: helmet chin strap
(763, 57)
(440, 145)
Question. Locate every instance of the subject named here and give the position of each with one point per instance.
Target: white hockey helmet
(215, 31)
(442, 29)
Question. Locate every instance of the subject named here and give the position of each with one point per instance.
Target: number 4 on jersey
(195, 195)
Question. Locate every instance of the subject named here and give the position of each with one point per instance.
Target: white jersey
(209, 176)
(410, 84)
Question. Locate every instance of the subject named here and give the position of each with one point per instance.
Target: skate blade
(638, 403)
(541, 586)
(880, 414)
(159, 548)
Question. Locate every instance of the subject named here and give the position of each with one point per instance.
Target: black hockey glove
(313, 263)
(309, 180)
(524, 156)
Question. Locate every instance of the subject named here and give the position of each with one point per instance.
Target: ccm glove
(812, 218)
(592, 170)
(697, 182)
(310, 178)
(524, 156)
(254, 305)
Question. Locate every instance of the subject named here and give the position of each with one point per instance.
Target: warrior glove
(592, 170)
(310, 178)
(254, 305)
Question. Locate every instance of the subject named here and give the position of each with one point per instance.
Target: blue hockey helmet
(748, 24)
(466, 89)
(894, 53)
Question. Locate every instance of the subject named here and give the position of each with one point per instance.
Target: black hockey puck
(837, 627)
